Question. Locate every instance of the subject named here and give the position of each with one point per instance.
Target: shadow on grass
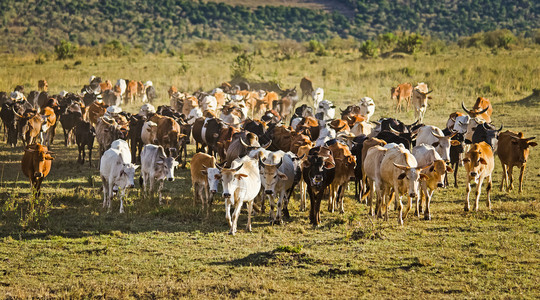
(531, 100)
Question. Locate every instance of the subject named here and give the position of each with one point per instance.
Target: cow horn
(16, 114)
(393, 130)
(531, 138)
(279, 163)
(404, 168)
(437, 135)
(238, 168)
(464, 108)
(244, 143)
(482, 111)
(340, 128)
(376, 122)
(429, 92)
(219, 167)
(500, 128)
(267, 144)
(262, 163)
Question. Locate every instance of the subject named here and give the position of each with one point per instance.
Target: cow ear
(204, 172)
(466, 160)
(432, 168)
(217, 176)
(305, 164)
(533, 144)
(423, 176)
(401, 176)
(239, 176)
(449, 169)
(48, 157)
(435, 144)
(454, 143)
(482, 161)
(282, 176)
(329, 165)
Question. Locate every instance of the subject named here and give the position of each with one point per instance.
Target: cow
(367, 108)
(29, 126)
(302, 155)
(281, 139)
(288, 101)
(486, 133)
(325, 110)
(121, 86)
(106, 85)
(96, 110)
(431, 135)
(36, 165)
(479, 163)
(32, 98)
(277, 176)
(372, 177)
(151, 93)
(318, 172)
(318, 96)
(309, 126)
(400, 172)
(204, 178)
(300, 112)
(240, 184)
(298, 140)
(84, 137)
(452, 120)
(306, 85)
(435, 175)
(107, 130)
(168, 135)
(456, 151)
(419, 100)
(136, 123)
(112, 97)
(172, 90)
(344, 171)
(9, 115)
(242, 143)
(513, 151)
(206, 133)
(482, 109)
(402, 92)
(392, 136)
(43, 86)
(116, 174)
(149, 133)
(131, 91)
(69, 120)
(155, 165)
(208, 104)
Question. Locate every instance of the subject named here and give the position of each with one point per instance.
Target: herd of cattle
(261, 145)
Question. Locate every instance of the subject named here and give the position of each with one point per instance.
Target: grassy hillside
(78, 250)
(167, 24)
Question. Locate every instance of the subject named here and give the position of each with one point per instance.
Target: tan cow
(482, 109)
(513, 151)
(345, 163)
(43, 86)
(479, 163)
(402, 92)
(203, 189)
(419, 99)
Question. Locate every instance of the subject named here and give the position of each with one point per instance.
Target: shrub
(65, 50)
(409, 43)
(499, 38)
(242, 65)
(317, 48)
(369, 49)
(387, 41)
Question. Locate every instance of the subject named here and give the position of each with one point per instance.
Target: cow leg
(65, 137)
(279, 217)
(318, 201)
(488, 192)
(236, 214)
(504, 179)
(185, 155)
(312, 217)
(105, 186)
(206, 200)
(160, 188)
(409, 206)
(196, 193)
(122, 195)
(427, 212)
(89, 155)
(468, 190)
(249, 210)
(510, 171)
(521, 173)
(228, 211)
(340, 198)
(400, 206)
(272, 206)
(331, 199)
(478, 192)
(455, 174)
(303, 190)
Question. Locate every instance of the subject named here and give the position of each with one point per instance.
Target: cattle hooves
(427, 218)
(466, 208)
(231, 233)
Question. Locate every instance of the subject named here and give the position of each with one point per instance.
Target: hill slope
(161, 24)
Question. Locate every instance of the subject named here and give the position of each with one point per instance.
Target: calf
(306, 85)
(149, 133)
(241, 183)
(28, 126)
(427, 155)
(116, 172)
(36, 165)
(479, 163)
(155, 165)
(107, 130)
(84, 137)
(419, 100)
(204, 178)
(402, 92)
(318, 172)
(513, 151)
(367, 108)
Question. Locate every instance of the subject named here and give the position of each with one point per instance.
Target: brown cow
(402, 92)
(310, 125)
(95, 111)
(106, 85)
(43, 86)
(298, 140)
(306, 85)
(199, 179)
(172, 90)
(36, 165)
(282, 138)
(479, 163)
(107, 131)
(131, 91)
(28, 126)
(513, 151)
(48, 124)
(345, 163)
(368, 143)
(482, 108)
(339, 125)
(169, 134)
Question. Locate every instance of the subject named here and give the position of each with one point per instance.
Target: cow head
(411, 178)
(230, 178)
(474, 162)
(126, 176)
(316, 167)
(213, 176)
(270, 175)
(522, 146)
(165, 167)
(40, 156)
(436, 173)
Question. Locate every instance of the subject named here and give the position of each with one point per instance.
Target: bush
(369, 49)
(409, 43)
(242, 65)
(65, 50)
(317, 48)
(387, 41)
(499, 38)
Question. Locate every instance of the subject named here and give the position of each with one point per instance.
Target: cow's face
(41, 159)
(437, 171)
(474, 164)
(410, 178)
(127, 174)
(270, 176)
(230, 179)
(213, 176)
(316, 168)
(522, 147)
(166, 167)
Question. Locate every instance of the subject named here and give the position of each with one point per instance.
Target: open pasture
(80, 251)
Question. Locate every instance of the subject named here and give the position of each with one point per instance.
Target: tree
(65, 50)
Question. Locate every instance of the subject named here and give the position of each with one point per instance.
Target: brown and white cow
(419, 100)
(482, 109)
(168, 135)
(402, 92)
(345, 163)
(95, 111)
(43, 86)
(28, 126)
(36, 165)
(203, 188)
(479, 163)
(306, 85)
(513, 151)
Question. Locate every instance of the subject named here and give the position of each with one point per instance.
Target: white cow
(277, 176)
(427, 156)
(116, 171)
(326, 110)
(209, 103)
(155, 165)
(400, 172)
(147, 109)
(149, 133)
(194, 114)
(318, 96)
(419, 100)
(326, 133)
(121, 83)
(241, 183)
(367, 107)
(431, 135)
(372, 175)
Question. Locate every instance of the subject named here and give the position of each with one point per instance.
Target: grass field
(78, 250)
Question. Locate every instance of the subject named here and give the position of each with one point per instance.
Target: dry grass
(81, 251)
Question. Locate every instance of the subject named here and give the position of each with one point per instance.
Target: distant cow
(419, 100)
(155, 165)
(367, 107)
(318, 172)
(43, 86)
(204, 178)
(107, 130)
(131, 91)
(513, 151)
(482, 108)
(116, 172)
(307, 87)
(84, 137)
(36, 165)
(402, 92)
(479, 163)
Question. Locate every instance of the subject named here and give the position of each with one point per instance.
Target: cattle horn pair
(475, 113)
(222, 167)
(16, 114)
(270, 165)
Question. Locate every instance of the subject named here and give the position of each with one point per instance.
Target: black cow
(9, 119)
(406, 139)
(486, 133)
(33, 99)
(69, 119)
(136, 124)
(356, 150)
(84, 137)
(212, 129)
(318, 172)
(455, 154)
(397, 125)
